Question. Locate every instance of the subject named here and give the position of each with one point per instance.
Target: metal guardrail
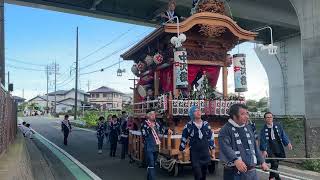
(8, 120)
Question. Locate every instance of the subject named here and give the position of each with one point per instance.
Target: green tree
(262, 103)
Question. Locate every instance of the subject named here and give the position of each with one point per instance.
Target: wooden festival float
(181, 63)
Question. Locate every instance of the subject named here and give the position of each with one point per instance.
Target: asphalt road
(82, 145)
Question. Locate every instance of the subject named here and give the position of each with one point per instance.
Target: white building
(65, 100)
(106, 98)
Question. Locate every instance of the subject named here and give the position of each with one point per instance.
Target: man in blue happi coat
(272, 142)
(150, 130)
(238, 149)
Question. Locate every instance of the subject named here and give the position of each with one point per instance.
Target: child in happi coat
(201, 141)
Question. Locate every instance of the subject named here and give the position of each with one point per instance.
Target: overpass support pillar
(2, 60)
(309, 20)
(285, 75)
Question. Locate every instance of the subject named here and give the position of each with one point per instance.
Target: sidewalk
(15, 163)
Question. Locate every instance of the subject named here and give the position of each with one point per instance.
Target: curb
(71, 158)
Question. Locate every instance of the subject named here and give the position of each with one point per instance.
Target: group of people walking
(241, 148)
(114, 129)
(240, 151)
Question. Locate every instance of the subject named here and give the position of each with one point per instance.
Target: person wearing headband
(201, 142)
(150, 130)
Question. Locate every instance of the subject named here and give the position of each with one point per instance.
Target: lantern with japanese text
(240, 77)
(181, 68)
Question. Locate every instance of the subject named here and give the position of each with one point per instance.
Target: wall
(116, 101)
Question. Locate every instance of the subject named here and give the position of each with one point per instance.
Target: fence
(294, 126)
(8, 120)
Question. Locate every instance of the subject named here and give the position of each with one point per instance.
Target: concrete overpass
(293, 73)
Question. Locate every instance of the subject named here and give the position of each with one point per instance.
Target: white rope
(297, 158)
(167, 164)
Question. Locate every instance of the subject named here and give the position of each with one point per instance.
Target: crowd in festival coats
(115, 130)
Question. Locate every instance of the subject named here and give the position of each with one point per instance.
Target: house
(65, 100)
(18, 100)
(66, 105)
(106, 98)
(39, 101)
(127, 99)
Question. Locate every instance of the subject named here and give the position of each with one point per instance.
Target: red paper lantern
(158, 58)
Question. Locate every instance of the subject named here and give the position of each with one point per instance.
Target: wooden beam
(156, 83)
(206, 63)
(225, 81)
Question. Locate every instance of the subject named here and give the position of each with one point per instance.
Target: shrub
(312, 165)
(91, 118)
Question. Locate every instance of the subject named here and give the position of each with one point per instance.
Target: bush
(91, 118)
(312, 165)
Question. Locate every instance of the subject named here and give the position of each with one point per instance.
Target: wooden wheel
(175, 171)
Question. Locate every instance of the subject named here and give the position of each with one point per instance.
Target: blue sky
(40, 37)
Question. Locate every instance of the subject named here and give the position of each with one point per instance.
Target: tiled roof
(105, 89)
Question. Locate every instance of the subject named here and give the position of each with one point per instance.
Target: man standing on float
(150, 133)
(201, 141)
(238, 149)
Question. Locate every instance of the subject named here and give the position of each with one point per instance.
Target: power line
(23, 62)
(60, 86)
(113, 53)
(24, 68)
(102, 69)
(112, 41)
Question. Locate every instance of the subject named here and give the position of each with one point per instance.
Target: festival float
(178, 66)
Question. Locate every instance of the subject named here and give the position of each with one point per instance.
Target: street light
(120, 71)
(272, 49)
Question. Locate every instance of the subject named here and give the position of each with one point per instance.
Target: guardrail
(8, 120)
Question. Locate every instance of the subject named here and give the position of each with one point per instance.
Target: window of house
(104, 94)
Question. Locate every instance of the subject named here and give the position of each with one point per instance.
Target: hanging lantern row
(147, 62)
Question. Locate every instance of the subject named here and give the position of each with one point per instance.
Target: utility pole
(76, 84)
(47, 71)
(88, 85)
(22, 93)
(8, 79)
(2, 45)
(55, 87)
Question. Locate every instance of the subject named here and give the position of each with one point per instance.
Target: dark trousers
(124, 147)
(113, 147)
(151, 158)
(100, 142)
(274, 166)
(200, 172)
(65, 137)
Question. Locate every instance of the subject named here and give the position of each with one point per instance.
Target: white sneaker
(100, 151)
